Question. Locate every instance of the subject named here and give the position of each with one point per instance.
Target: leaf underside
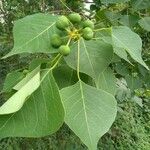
(90, 112)
(41, 115)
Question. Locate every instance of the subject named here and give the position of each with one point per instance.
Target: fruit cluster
(73, 28)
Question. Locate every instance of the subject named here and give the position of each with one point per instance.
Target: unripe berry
(56, 40)
(62, 23)
(64, 50)
(74, 18)
(87, 33)
(88, 23)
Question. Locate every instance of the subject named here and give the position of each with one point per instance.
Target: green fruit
(87, 33)
(62, 23)
(88, 23)
(56, 40)
(74, 18)
(64, 50)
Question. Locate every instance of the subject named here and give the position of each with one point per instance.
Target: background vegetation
(131, 129)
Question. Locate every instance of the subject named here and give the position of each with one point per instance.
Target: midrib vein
(85, 114)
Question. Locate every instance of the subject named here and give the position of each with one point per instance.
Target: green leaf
(93, 57)
(65, 76)
(133, 82)
(145, 23)
(107, 81)
(121, 53)
(32, 34)
(123, 37)
(129, 20)
(113, 1)
(25, 88)
(106, 36)
(11, 80)
(90, 112)
(38, 61)
(140, 4)
(41, 115)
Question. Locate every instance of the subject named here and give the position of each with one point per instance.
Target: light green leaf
(123, 37)
(93, 56)
(107, 81)
(90, 112)
(11, 80)
(41, 115)
(145, 23)
(32, 34)
(25, 88)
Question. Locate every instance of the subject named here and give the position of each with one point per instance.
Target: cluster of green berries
(75, 28)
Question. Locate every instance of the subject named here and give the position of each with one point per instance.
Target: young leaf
(41, 115)
(145, 23)
(107, 81)
(90, 112)
(25, 88)
(32, 34)
(93, 57)
(123, 37)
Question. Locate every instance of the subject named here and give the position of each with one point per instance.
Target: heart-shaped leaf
(90, 112)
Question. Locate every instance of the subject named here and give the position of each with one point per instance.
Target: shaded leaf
(11, 80)
(25, 88)
(145, 23)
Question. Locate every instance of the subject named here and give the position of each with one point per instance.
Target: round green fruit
(64, 50)
(88, 23)
(74, 18)
(62, 23)
(56, 40)
(87, 33)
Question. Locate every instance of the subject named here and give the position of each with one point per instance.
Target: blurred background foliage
(131, 130)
